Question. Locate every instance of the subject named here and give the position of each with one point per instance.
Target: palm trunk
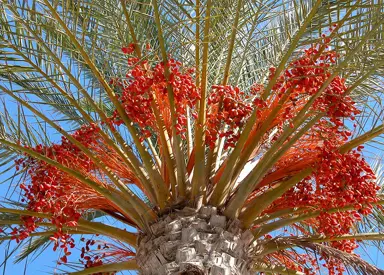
(195, 242)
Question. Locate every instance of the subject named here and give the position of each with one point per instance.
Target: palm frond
(353, 263)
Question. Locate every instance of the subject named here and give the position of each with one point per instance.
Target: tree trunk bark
(194, 242)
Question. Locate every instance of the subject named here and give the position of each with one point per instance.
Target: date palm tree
(193, 137)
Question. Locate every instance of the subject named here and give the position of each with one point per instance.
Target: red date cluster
(147, 87)
(92, 256)
(93, 260)
(339, 180)
(344, 179)
(227, 112)
(52, 191)
(295, 261)
(305, 77)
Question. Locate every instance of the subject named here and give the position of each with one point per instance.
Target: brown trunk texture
(191, 241)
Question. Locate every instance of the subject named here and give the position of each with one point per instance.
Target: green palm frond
(33, 248)
(353, 263)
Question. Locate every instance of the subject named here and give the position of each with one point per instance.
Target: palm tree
(195, 137)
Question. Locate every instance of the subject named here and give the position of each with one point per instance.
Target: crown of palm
(166, 104)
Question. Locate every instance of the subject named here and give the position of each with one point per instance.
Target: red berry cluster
(64, 241)
(93, 260)
(334, 266)
(302, 80)
(336, 224)
(146, 87)
(339, 180)
(295, 261)
(307, 263)
(129, 49)
(344, 179)
(48, 185)
(20, 233)
(227, 112)
(52, 191)
(92, 257)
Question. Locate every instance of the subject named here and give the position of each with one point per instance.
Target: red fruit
(64, 259)
(128, 50)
